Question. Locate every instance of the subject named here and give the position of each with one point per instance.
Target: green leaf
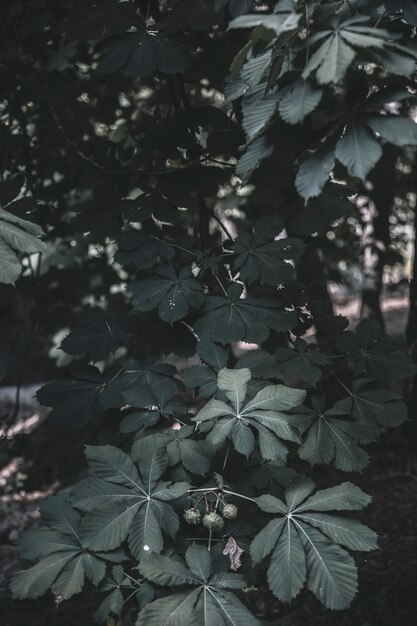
(259, 149)
(275, 398)
(382, 358)
(233, 319)
(329, 437)
(194, 455)
(347, 532)
(199, 562)
(71, 579)
(331, 60)
(344, 497)
(143, 54)
(166, 572)
(107, 528)
(142, 249)
(59, 515)
(172, 294)
(287, 571)
(398, 130)
(145, 532)
(212, 353)
(302, 362)
(234, 383)
(34, 544)
(34, 582)
(261, 256)
(99, 334)
(173, 610)
(298, 100)
(265, 541)
(279, 22)
(111, 464)
(150, 453)
(258, 107)
(338, 47)
(302, 553)
(332, 575)
(201, 377)
(314, 171)
(357, 150)
(73, 401)
(236, 421)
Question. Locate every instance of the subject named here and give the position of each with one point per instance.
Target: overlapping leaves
(208, 600)
(262, 256)
(63, 558)
(125, 501)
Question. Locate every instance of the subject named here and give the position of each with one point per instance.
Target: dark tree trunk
(411, 329)
(311, 272)
(375, 214)
(374, 245)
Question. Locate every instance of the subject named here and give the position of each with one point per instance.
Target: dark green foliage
(192, 326)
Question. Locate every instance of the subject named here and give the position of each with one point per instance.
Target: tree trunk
(310, 272)
(374, 244)
(411, 329)
(375, 211)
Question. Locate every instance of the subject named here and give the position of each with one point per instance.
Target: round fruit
(213, 521)
(229, 511)
(192, 516)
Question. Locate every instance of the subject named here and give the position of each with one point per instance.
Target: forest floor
(44, 463)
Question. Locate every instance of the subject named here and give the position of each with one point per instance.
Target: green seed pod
(213, 521)
(192, 516)
(229, 511)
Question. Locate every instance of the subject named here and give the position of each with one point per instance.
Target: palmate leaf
(142, 249)
(113, 602)
(301, 362)
(99, 334)
(17, 236)
(241, 319)
(64, 561)
(338, 47)
(74, 401)
(372, 406)
(264, 413)
(201, 377)
(143, 54)
(304, 540)
(195, 456)
(153, 401)
(379, 357)
(141, 380)
(172, 294)
(261, 256)
(122, 503)
(207, 603)
(330, 435)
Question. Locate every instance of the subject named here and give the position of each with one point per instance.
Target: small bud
(213, 521)
(229, 511)
(192, 516)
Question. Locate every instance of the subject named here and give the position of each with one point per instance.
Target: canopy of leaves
(189, 162)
